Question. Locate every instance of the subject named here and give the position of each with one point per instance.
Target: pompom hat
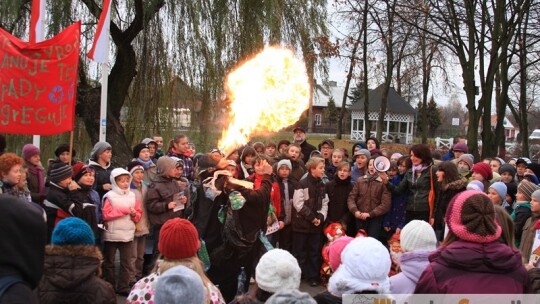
(178, 239)
(471, 217)
(277, 270)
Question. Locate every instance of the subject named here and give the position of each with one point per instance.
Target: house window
(318, 119)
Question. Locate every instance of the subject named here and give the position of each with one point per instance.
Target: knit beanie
(527, 188)
(79, 170)
(138, 148)
(284, 162)
(507, 168)
(99, 148)
(468, 159)
(29, 150)
(484, 170)
(461, 147)
(418, 235)
(291, 296)
(535, 168)
(335, 249)
(362, 152)
(536, 195)
(59, 171)
(277, 270)
(500, 187)
(365, 264)
(179, 285)
(134, 166)
(471, 217)
(164, 164)
(64, 148)
(178, 239)
(72, 231)
(475, 185)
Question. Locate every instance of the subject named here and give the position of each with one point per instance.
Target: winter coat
(419, 188)
(338, 191)
(286, 206)
(369, 195)
(445, 193)
(102, 176)
(473, 268)
(59, 204)
(310, 201)
(527, 237)
(355, 173)
(412, 265)
(306, 150)
(520, 216)
(298, 170)
(89, 199)
(160, 193)
(71, 275)
(395, 218)
(33, 180)
(142, 227)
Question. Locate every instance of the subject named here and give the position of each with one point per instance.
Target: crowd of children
(207, 219)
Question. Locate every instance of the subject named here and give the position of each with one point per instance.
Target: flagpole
(103, 112)
(37, 16)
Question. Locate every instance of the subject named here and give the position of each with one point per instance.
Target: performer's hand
(262, 167)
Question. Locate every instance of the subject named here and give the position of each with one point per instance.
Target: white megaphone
(381, 164)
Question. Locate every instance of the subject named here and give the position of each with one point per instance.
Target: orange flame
(268, 93)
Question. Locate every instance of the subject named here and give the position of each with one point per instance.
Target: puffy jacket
(310, 201)
(338, 191)
(71, 275)
(473, 268)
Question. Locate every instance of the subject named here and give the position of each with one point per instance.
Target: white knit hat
(418, 235)
(365, 264)
(277, 270)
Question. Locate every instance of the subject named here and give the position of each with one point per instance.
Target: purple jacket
(472, 268)
(412, 265)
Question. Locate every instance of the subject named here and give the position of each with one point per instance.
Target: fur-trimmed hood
(67, 266)
(458, 184)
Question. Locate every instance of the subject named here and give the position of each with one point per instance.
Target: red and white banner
(100, 48)
(36, 21)
(38, 83)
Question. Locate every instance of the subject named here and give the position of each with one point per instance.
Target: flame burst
(268, 93)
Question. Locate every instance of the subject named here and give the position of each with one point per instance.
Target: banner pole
(38, 16)
(103, 113)
(71, 147)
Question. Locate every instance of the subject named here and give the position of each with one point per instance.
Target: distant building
(399, 118)
(320, 111)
